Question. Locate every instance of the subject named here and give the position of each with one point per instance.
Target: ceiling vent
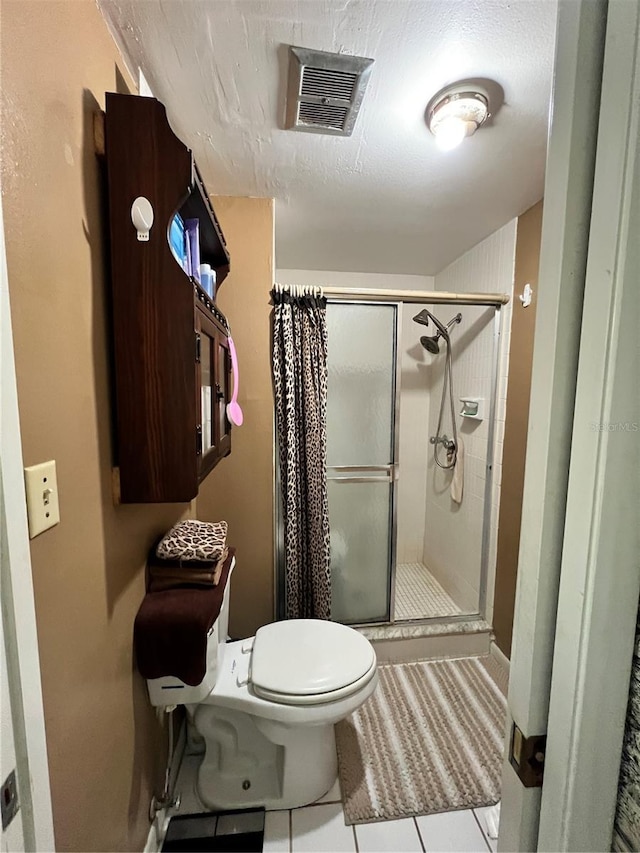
(325, 90)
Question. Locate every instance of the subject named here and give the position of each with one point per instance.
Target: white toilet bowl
(267, 707)
(277, 752)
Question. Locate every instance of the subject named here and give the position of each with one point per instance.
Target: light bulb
(450, 132)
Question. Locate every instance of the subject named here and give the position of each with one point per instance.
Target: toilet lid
(307, 657)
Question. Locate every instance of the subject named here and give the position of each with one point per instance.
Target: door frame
(567, 596)
(600, 573)
(18, 606)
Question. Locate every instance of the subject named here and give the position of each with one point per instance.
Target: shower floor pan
(419, 595)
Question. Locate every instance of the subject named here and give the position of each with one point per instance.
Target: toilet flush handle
(245, 648)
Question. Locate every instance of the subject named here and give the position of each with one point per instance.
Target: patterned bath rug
(430, 739)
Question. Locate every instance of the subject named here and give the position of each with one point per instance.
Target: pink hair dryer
(234, 412)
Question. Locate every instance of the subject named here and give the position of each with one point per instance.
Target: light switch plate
(42, 497)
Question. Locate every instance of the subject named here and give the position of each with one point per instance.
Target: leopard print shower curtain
(299, 356)
(626, 834)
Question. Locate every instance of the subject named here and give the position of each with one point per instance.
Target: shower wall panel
(453, 533)
(415, 399)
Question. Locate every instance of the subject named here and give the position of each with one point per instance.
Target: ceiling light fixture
(455, 113)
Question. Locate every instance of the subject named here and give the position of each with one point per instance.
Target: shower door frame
(398, 299)
(487, 510)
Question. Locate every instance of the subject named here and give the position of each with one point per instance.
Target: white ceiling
(385, 199)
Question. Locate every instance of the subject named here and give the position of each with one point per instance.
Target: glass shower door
(361, 458)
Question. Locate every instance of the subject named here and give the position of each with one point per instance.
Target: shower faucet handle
(444, 440)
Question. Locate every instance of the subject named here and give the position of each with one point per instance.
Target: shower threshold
(406, 642)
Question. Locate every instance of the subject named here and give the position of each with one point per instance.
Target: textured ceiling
(385, 199)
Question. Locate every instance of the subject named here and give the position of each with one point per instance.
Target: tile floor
(419, 595)
(320, 828)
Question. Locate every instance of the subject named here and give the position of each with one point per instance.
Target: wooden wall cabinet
(170, 342)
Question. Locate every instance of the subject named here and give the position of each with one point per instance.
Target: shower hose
(452, 451)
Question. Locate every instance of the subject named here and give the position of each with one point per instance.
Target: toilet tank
(170, 690)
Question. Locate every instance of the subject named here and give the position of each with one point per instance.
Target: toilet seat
(309, 662)
(317, 698)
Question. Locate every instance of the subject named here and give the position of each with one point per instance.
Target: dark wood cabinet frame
(159, 312)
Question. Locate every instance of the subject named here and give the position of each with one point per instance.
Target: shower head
(431, 344)
(422, 317)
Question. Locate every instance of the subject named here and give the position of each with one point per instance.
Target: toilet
(267, 706)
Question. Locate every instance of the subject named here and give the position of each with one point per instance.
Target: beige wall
(240, 488)
(516, 423)
(105, 747)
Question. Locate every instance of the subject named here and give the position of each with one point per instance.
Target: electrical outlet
(42, 497)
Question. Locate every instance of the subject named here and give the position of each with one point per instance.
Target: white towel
(457, 483)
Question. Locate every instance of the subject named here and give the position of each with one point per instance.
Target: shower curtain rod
(418, 296)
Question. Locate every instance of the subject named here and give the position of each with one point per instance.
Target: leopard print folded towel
(194, 540)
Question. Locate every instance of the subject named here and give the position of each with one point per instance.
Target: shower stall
(406, 409)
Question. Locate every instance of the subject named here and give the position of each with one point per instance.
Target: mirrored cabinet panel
(214, 375)
(206, 397)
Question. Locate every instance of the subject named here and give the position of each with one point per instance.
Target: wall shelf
(472, 407)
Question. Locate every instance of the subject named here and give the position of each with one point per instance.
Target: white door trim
(18, 610)
(565, 235)
(600, 575)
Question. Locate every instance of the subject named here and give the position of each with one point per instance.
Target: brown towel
(171, 627)
(156, 566)
(165, 574)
